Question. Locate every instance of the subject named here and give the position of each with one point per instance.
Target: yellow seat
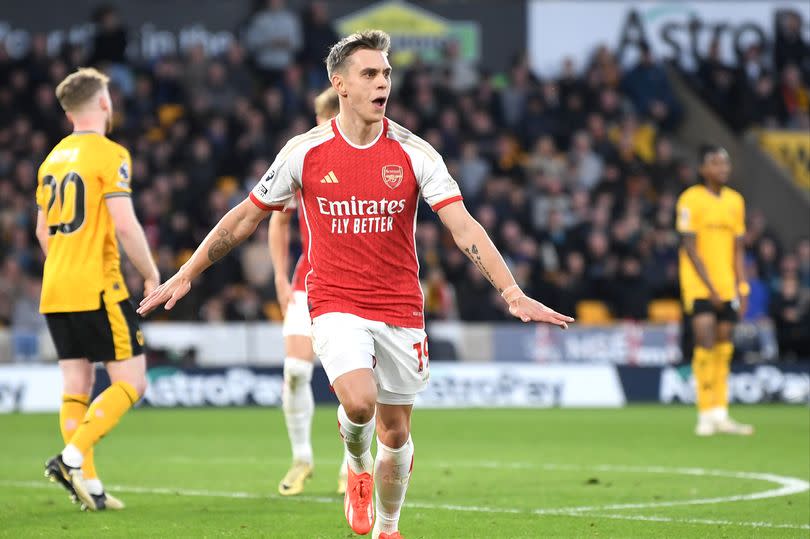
(593, 313)
(663, 311)
(170, 113)
(272, 311)
(227, 184)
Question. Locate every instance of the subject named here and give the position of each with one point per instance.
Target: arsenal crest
(392, 175)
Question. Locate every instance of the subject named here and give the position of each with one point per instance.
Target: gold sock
(103, 415)
(722, 353)
(703, 369)
(71, 414)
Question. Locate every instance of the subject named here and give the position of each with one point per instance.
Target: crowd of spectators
(575, 179)
(768, 87)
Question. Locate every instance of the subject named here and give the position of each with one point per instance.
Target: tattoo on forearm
(221, 246)
(472, 254)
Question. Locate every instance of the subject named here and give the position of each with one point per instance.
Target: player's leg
(703, 365)
(345, 346)
(357, 392)
(394, 461)
(77, 383)
(78, 377)
(298, 405)
(723, 352)
(114, 337)
(402, 371)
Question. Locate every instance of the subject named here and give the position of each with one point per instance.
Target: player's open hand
(530, 310)
(169, 293)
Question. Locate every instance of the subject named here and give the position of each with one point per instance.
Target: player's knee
(140, 384)
(360, 408)
(393, 436)
(79, 383)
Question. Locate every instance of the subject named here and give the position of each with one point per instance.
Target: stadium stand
(575, 178)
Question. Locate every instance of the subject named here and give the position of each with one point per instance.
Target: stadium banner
(748, 384)
(620, 344)
(510, 385)
(30, 388)
(261, 344)
(675, 30)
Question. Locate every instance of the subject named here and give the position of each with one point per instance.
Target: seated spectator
(648, 87)
(760, 296)
(790, 310)
(795, 99)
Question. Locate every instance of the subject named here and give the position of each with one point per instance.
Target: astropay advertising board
(674, 30)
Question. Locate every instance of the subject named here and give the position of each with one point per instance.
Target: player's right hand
(715, 300)
(169, 293)
(283, 294)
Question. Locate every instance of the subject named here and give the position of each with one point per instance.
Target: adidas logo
(330, 178)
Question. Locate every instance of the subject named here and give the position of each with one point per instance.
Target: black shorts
(107, 334)
(728, 312)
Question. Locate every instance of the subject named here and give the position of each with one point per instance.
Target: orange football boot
(358, 502)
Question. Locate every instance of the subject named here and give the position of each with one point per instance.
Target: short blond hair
(79, 87)
(375, 40)
(327, 104)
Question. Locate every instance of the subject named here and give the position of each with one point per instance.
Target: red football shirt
(359, 208)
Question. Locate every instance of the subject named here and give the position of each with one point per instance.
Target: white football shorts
(297, 321)
(398, 356)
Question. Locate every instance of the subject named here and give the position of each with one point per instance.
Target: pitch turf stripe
(423, 505)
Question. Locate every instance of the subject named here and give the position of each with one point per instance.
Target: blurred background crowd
(575, 178)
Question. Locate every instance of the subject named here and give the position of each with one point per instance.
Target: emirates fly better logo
(392, 175)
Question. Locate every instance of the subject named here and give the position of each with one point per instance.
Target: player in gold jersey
(711, 220)
(83, 200)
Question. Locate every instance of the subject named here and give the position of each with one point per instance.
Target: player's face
(716, 167)
(367, 84)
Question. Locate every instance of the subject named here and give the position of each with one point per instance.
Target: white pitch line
(568, 512)
(787, 486)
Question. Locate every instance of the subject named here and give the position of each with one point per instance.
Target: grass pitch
(633, 472)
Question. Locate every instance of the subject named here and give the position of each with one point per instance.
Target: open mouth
(379, 102)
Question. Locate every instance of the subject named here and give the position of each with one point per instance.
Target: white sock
(299, 406)
(94, 486)
(706, 416)
(392, 472)
(719, 413)
(357, 439)
(72, 456)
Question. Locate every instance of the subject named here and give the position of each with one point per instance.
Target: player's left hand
(530, 310)
(169, 293)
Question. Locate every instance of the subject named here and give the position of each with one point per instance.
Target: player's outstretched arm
(236, 226)
(278, 239)
(133, 240)
(473, 240)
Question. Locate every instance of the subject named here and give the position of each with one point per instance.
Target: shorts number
(59, 188)
(422, 354)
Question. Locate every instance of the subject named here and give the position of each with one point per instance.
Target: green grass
(499, 466)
